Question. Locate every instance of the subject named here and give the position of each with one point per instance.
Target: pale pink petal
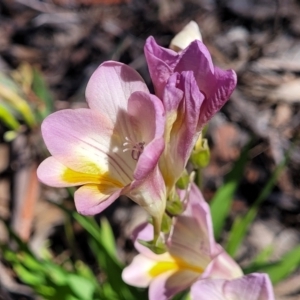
(93, 199)
(147, 116)
(149, 192)
(110, 87)
(149, 160)
(198, 209)
(251, 287)
(82, 140)
(52, 173)
(137, 273)
(148, 119)
(222, 267)
(189, 242)
(192, 236)
(168, 284)
(144, 232)
(208, 290)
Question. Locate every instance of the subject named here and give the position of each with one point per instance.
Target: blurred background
(48, 51)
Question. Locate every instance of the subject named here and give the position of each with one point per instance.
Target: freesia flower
(111, 149)
(215, 84)
(192, 90)
(192, 253)
(251, 287)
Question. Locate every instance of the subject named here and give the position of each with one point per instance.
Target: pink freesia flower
(214, 83)
(192, 253)
(112, 148)
(192, 91)
(251, 287)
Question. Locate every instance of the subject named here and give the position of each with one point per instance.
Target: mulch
(260, 40)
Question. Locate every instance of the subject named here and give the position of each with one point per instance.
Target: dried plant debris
(67, 39)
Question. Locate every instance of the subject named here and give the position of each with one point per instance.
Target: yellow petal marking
(176, 265)
(162, 267)
(71, 176)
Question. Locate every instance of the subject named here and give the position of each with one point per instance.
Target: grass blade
(240, 226)
(278, 270)
(40, 88)
(222, 201)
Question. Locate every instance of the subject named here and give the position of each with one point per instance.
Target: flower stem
(156, 228)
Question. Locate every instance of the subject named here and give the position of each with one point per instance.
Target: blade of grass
(103, 246)
(278, 270)
(19, 103)
(222, 201)
(48, 279)
(8, 118)
(241, 224)
(21, 244)
(264, 255)
(40, 88)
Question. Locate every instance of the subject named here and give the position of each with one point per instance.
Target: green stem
(199, 178)
(156, 228)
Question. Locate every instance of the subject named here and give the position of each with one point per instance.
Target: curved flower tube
(192, 254)
(192, 90)
(251, 287)
(182, 101)
(112, 148)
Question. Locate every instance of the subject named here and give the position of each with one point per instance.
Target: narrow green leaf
(18, 103)
(48, 292)
(107, 237)
(8, 118)
(264, 255)
(22, 245)
(10, 83)
(281, 269)
(28, 276)
(222, 201)
(9, 255)
(102, 244)
(55, 273)
(82, 287)
(31, 262)
(109, 293)
(40, 88)
(240, 225)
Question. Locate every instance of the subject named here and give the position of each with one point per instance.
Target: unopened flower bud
(174, 205)
(201, 155)
(183, 181)
(188, 34)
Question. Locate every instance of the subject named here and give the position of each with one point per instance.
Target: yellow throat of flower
(174, 265)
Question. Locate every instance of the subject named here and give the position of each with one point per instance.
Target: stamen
(136, 148)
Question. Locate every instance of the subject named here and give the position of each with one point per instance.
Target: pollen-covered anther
(136, 148)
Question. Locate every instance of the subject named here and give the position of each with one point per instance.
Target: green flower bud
(201, 155)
